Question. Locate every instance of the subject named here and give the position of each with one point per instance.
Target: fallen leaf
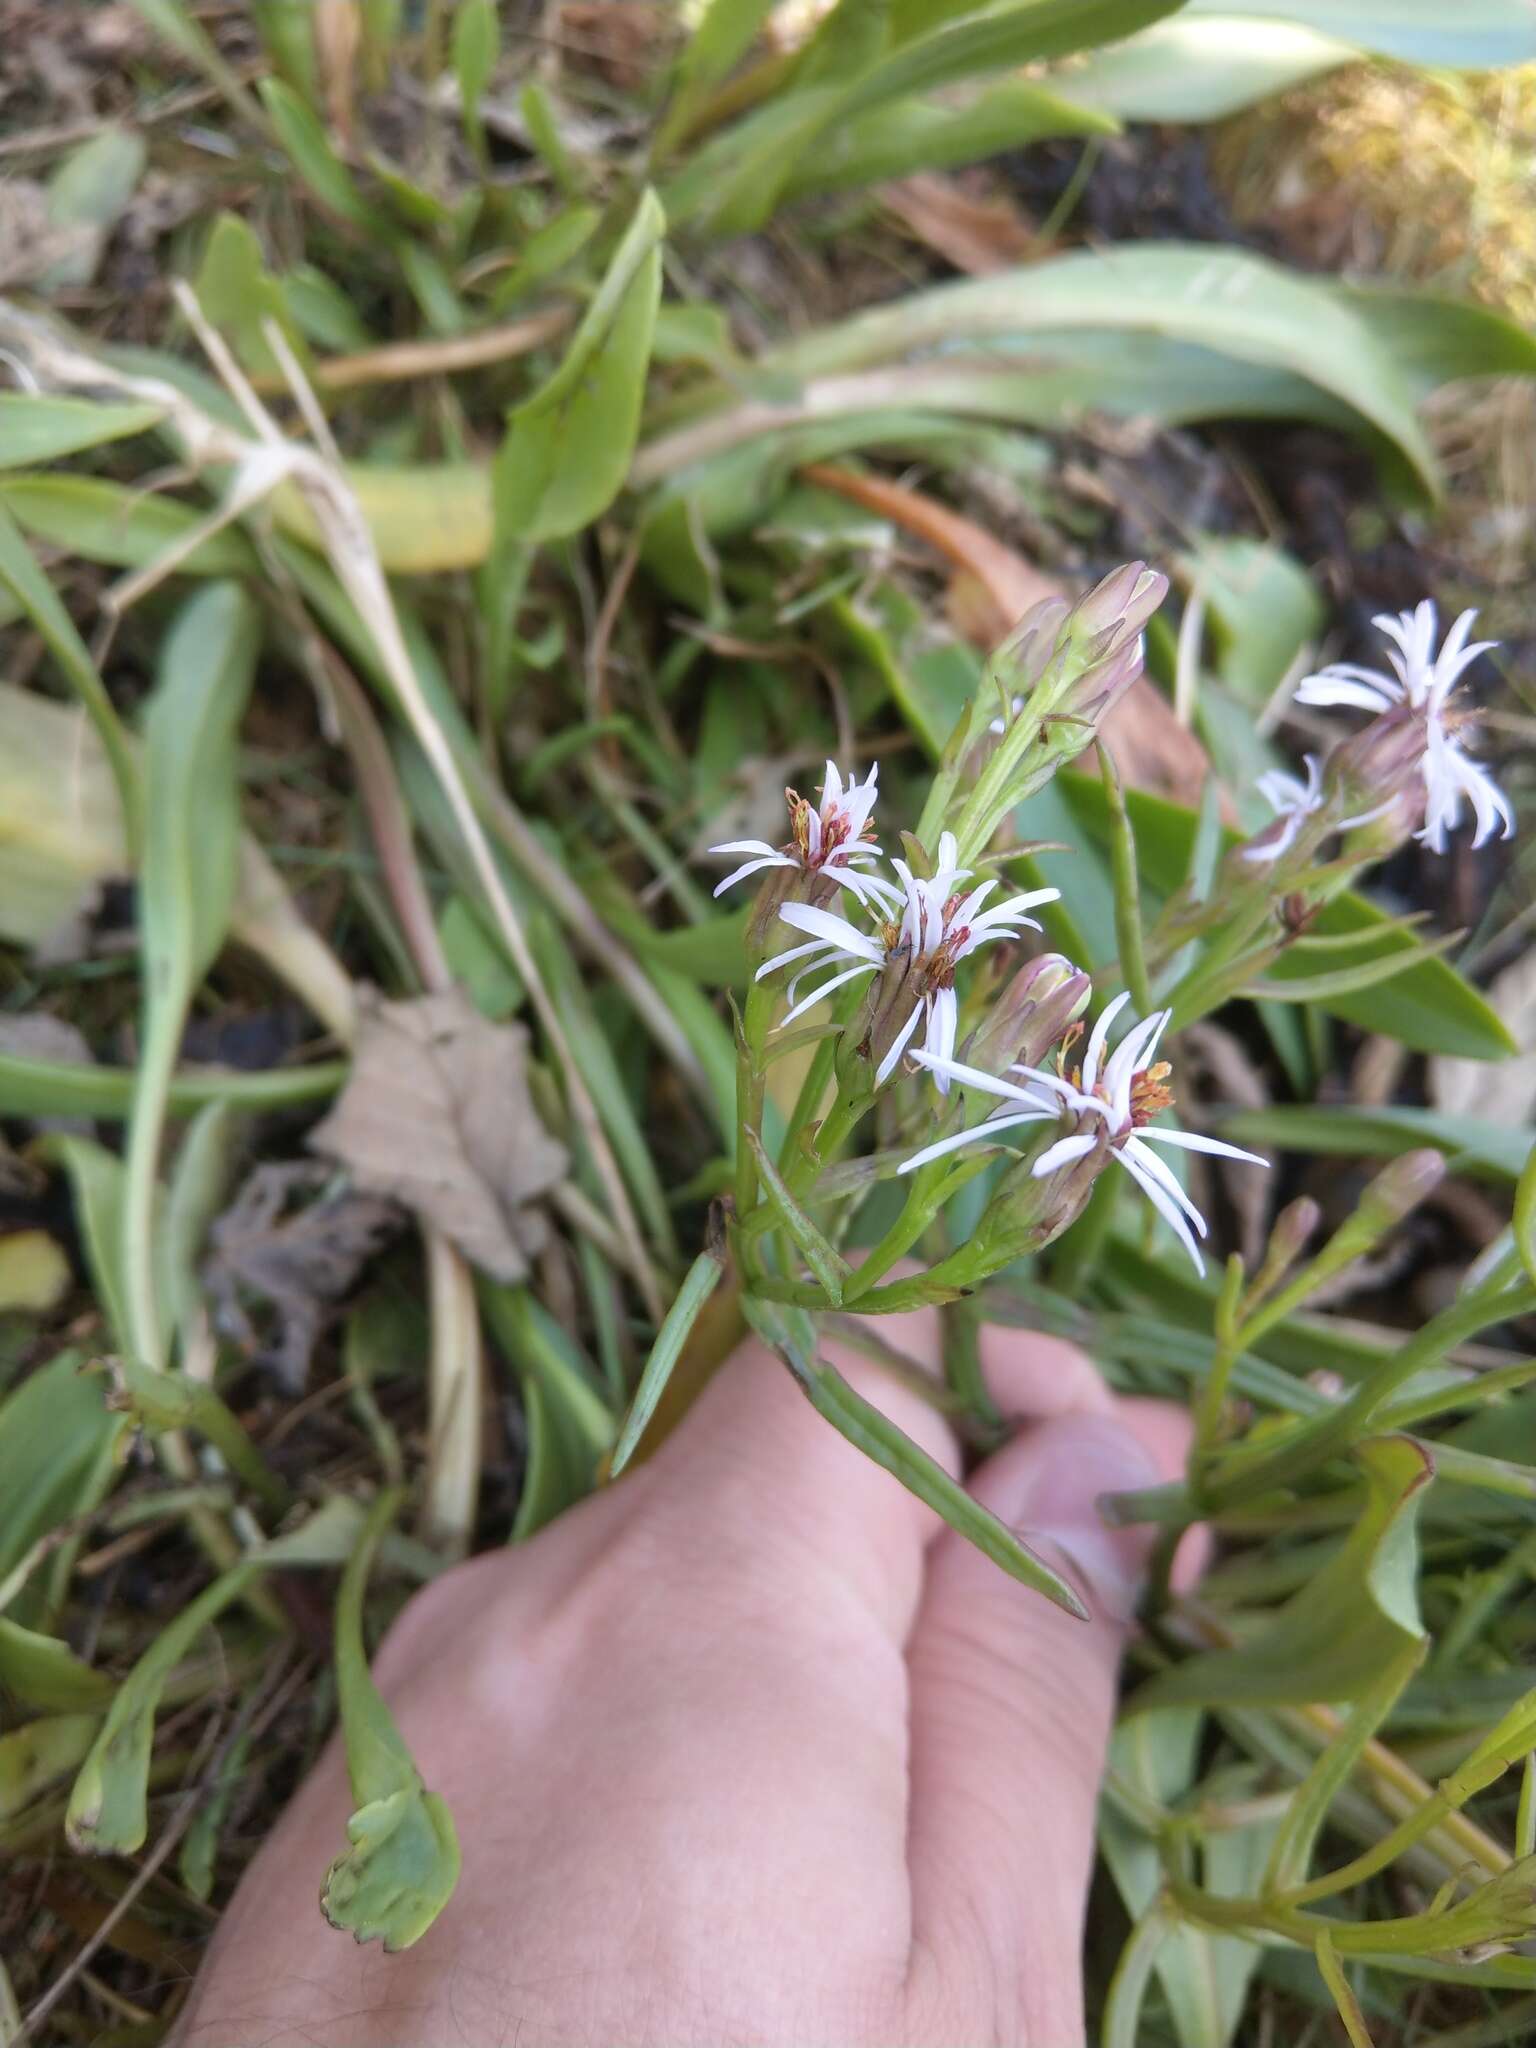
(437, 1115)
(1153, 751)
(976, 232)
(1460, 1087)
(297, 1258)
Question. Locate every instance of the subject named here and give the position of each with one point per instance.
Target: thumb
(1012, 1702)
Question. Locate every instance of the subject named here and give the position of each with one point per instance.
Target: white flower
(938, 928)
(1119, 1096)
(1292, 802)
(1423, 680)
(836, 839)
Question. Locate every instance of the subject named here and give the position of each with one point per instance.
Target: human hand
(747, 1748)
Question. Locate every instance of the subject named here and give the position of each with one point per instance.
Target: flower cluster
(1416, 726)
(909, 932)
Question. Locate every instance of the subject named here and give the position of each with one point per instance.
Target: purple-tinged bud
(1399, 1188)
(1379, 762)
(1122, 603)
(1030, 1016)
(896, 991)
(1293, 1229)
(1026, 1214)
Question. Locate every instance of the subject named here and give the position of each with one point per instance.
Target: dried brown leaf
(979, 233)
(437, 1115)
(1461, 1087)
(299, 1258)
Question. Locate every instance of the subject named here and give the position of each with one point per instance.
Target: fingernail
(1069, 1463)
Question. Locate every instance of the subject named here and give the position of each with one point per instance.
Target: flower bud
(1399, 1188)
(897, 990)
(1030, 1015)
(1026, 1214)
(1380, 761)
(1293, 1228)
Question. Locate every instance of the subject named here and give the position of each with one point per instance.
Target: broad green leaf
(57, 1438)
(39, 1754)
(19, 572)
(928, 135)
(1479, 35)
(287, 28)
(238, 294)
(1263, 607)
(186, 893)
(1478, 1142)
(43, 1672)
(1223, 301)
(567, 449)
(1427, 1006)
(1434, 339)
(1330, 1642)
(35, 427)
(724, 35)
(1203, 70)
(88, 194)
(791, 1333)
(403, 1863)
(700, 1282)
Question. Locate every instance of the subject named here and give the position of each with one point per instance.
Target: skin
(749, 1748)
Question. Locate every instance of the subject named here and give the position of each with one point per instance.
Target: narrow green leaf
(476, 48)
(96, 1188)
(570, 1425)
(38, 428)
(1525, 1214)
(1348, 981)
(108, 1812)
(186, 892)
(919, 134)
(125, 528)
(403, 1863)
(34, 1088)
(828, 1264)
(791, 1333)
(568, 448)
(239, 294)
(302, 135)
(173, 22)
(702, 1278)
(1497, 1149)
(1129, 916)
(1331, 1641)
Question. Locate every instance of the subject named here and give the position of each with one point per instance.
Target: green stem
(145, 1331)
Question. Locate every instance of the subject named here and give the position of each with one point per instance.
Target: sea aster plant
(916, 954)
(834, 839)
(1114, 1098)
(1421, 682)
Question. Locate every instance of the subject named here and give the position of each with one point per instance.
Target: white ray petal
(1098, 1037)
(1063, 1152)
(826, 988)
(888, 1065)
(1164, 1208)
(1196, 1141)
(752, 867)
(978, 1134)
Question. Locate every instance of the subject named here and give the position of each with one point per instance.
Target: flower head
(1292, 802)
(1114, 1099)
(1421, 683)
(916, 953)
(834, 839)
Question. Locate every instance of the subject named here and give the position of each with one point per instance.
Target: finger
(758, 1483)
(1012, 1702)
(1031, 1375)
